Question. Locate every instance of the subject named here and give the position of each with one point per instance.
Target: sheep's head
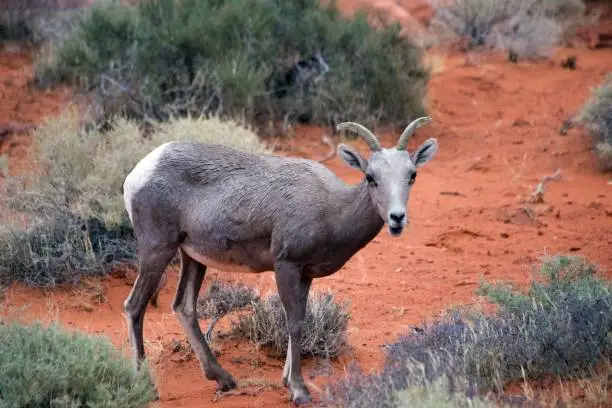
(389, 173)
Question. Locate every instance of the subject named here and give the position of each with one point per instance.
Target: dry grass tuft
(323, 334)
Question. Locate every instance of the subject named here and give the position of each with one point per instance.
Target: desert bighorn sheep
(228, 209)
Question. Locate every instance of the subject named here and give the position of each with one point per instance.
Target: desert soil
(498, 128)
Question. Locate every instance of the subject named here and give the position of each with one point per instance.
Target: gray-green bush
(48, 367)
(66, 217)
(222, 298)
(36, 22)
(323, 334)
(561, 327)
(163, 58)
(596, 116)
(524, 29)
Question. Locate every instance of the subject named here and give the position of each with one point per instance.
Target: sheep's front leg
(293, 291)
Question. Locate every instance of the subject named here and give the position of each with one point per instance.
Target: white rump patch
(140, 176)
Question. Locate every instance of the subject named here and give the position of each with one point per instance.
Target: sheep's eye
(370, 180)
(412, 178)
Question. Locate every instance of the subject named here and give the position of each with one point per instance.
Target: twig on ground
(537, 196)
(452, 193)
(566, 126)
(13, 127)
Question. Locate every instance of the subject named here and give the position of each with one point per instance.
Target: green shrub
(48, 367)
(596, 116)
(166, 58)
(71, 210)
(523, 29)
(323, 334)
(561, 327)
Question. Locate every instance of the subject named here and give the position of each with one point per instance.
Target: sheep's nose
(397, 217)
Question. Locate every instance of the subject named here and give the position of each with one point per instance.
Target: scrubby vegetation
(561, 327)
(524, 29)
(36, 22)
(596, 115)
(165, 58)
(48, 367)
(222, 297)
(264, 323)
(66, 219)
(16, 25)
(323, 333)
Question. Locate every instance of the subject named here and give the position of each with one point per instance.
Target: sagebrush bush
(165, 58)
(16, 25)
(561, 327)
(36, 22)
(66, 217)
(524, 29)
(596, 116)
(61, 250)
(48, 367)
(222, 297)
(323, 334)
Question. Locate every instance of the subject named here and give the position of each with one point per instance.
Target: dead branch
(13, 127)
(452, 193)
(332, 149)
(566, 126)
(537, 196)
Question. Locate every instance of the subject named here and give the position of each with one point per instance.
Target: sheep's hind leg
(151, 267)
(190, 282)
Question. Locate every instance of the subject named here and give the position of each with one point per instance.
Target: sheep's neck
(359, 220)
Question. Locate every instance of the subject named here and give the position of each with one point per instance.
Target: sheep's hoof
(300, 395)
(225, 382)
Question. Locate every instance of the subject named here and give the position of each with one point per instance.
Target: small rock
(574, 249)
(504, 235)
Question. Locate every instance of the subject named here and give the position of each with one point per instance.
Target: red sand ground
(497, 124)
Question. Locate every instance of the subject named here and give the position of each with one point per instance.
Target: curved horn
(362, 131)
(417, 123)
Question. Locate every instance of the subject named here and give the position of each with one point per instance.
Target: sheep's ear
(425, 152)
(352, 157)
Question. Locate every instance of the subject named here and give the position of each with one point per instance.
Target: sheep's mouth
(396, 231)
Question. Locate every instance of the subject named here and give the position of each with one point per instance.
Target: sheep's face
(390, 175)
